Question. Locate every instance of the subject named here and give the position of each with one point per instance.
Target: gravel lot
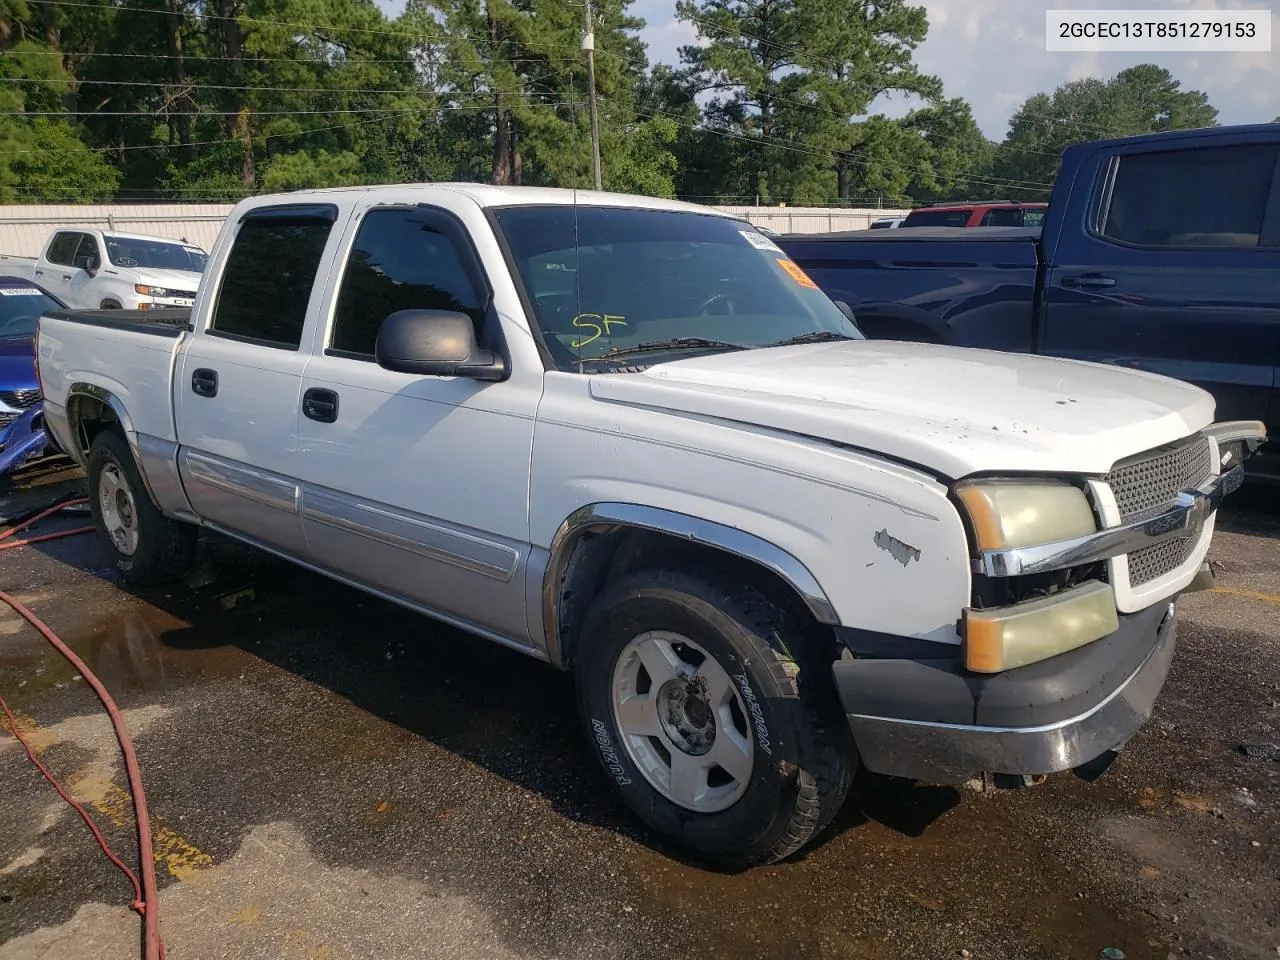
(332, 777)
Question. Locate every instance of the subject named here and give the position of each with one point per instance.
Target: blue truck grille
(1148, 484)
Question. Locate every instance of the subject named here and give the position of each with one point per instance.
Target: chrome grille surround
(1146, 485)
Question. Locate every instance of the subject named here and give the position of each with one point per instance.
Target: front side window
(1203, 197)
(612, 286)
(267, 281)
(400, 261)
(63, 248)
(132, 252)
(1003, 217)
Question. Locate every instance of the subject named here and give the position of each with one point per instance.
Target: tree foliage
(217, 99)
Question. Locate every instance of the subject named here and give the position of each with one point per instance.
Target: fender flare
(681, 526)
(108, 399)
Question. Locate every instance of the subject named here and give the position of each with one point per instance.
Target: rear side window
(1206, 197)
(268, 279)
(938, 218)
(63, 248)
(400, 261)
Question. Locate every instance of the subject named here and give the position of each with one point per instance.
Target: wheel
(145, 546)
(713, 711)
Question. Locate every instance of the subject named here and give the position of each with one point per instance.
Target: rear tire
(676, 672)
(145, 546)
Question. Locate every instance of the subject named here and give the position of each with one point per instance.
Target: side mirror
(91, 266)
(846, 310)
(435, 343)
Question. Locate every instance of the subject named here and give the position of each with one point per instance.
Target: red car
(995, 213)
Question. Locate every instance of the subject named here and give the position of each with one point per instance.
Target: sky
(991, 53)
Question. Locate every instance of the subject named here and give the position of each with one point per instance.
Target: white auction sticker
(1208, 31)
(19, 292)
(759, 241)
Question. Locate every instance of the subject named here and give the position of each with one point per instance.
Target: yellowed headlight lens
(1002, 638)
(1021, 513)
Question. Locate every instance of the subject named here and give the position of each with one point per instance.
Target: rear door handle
(1089, 281)
(39, 273)
(66, 276)
(320, 404)
(204, 382)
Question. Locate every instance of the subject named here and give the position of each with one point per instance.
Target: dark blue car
(22, 435)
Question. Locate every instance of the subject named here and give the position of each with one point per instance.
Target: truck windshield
(132, 252)
(20, 308)
(613, 286)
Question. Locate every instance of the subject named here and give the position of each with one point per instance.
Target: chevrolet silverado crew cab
(91, 269)
(632, 438)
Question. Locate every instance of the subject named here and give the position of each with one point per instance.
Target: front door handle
(320, 404)
(1089, 281)
(39, 273)
(204, 382)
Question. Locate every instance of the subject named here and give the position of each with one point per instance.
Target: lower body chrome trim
(410, 532)
(953, 753)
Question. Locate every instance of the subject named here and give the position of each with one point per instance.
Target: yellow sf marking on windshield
(602, 329)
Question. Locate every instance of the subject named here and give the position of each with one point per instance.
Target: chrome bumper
(1184, 519)
(954, 753)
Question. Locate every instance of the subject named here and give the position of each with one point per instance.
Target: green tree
(788, 78)
(957, 158)
(1142, 99)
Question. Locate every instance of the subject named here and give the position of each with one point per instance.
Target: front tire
(712, 710)
(145, 546)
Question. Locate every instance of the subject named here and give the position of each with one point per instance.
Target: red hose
(146, 899)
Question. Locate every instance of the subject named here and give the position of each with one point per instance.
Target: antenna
(589, 45)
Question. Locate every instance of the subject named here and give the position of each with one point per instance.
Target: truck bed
(129, 353)
(969, 286)
(168, 322)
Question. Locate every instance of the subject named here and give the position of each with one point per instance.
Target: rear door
(238, 388)
(57, 264)
(1173, 266)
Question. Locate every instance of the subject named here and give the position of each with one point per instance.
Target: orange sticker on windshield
(798, 275)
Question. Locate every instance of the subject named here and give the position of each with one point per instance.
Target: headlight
(146, 291)
(1020, 513)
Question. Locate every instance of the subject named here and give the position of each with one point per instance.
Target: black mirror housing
(435, 343)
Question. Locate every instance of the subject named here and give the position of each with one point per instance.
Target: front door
(1178, 271)
(55, 268)
(417, 485)
(238, 389)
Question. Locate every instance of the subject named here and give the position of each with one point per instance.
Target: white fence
(24, 228)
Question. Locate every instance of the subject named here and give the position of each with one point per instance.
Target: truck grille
(19, 399)
(1146, 485)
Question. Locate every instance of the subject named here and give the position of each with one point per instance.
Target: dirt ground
(331, 777)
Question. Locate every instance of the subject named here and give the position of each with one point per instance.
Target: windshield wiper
(817, 336)
(675, 343)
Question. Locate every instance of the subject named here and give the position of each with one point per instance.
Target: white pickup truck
(630, 437)
(92, 269)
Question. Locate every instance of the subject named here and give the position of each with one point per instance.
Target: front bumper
(929, 719)
(23, 439)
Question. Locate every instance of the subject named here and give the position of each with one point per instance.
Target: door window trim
(452, 228)
(1104, 193)
(299, 212)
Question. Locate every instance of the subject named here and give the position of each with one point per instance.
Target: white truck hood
(953, 410)
(170, 279)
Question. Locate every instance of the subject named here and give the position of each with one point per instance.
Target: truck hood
(955, 411)
(155, 277)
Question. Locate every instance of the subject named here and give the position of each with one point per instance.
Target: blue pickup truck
(1159, 252)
